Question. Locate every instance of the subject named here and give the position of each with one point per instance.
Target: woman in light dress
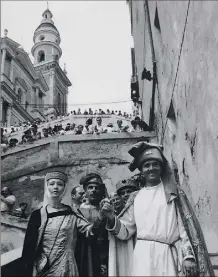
(51, 234)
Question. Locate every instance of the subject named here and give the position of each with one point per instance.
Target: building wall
(185, 48)
(142, 55)
(18, 79)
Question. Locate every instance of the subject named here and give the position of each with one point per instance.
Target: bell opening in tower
(41, 56)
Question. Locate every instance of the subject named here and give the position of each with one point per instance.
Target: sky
(95, 41)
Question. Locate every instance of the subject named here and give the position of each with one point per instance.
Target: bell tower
(47, 53)
(46, 40)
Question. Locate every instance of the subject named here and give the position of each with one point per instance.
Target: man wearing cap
(95, 191)
(125, 188)
(169, 240)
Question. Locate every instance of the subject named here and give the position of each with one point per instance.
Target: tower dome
(46, 40)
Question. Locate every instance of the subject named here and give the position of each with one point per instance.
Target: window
(42, 37)
(41, 56)
(19, 94)
(7, 66)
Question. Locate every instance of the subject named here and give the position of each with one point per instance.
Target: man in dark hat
(167, 243)
(95, 191)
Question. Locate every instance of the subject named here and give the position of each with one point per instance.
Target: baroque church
(35, 90)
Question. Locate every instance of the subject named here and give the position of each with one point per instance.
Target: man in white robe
(162, 247)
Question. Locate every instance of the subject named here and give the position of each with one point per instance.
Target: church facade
(35, 90)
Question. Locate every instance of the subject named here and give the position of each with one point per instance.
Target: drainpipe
(151, 120)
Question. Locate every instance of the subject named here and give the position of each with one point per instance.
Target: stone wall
(185, 51)
(24, 169)
(12, 232)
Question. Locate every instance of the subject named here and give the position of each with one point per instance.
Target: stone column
(9, 114)
(2, 101)
(64, 103)
(43, 110)
(3, 61)
(12, 71)
(37, 97)
(24, 98)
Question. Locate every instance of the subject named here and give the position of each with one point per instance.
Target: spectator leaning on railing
(7, 200)
(98, 127)
(31, 130)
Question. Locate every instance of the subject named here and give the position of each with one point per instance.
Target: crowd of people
(144, 228)
(22, 125)
(8, 201)
(101, 112)
(33, 131)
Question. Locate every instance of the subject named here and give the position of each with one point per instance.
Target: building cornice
(47, 31)
(63, 76)
(45, 43)
(54, 64)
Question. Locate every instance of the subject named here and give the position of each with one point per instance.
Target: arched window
(19, 94)
(41, 56)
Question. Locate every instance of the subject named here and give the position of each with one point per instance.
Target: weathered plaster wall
(107, 154)
(142, 55)
(187, 65)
